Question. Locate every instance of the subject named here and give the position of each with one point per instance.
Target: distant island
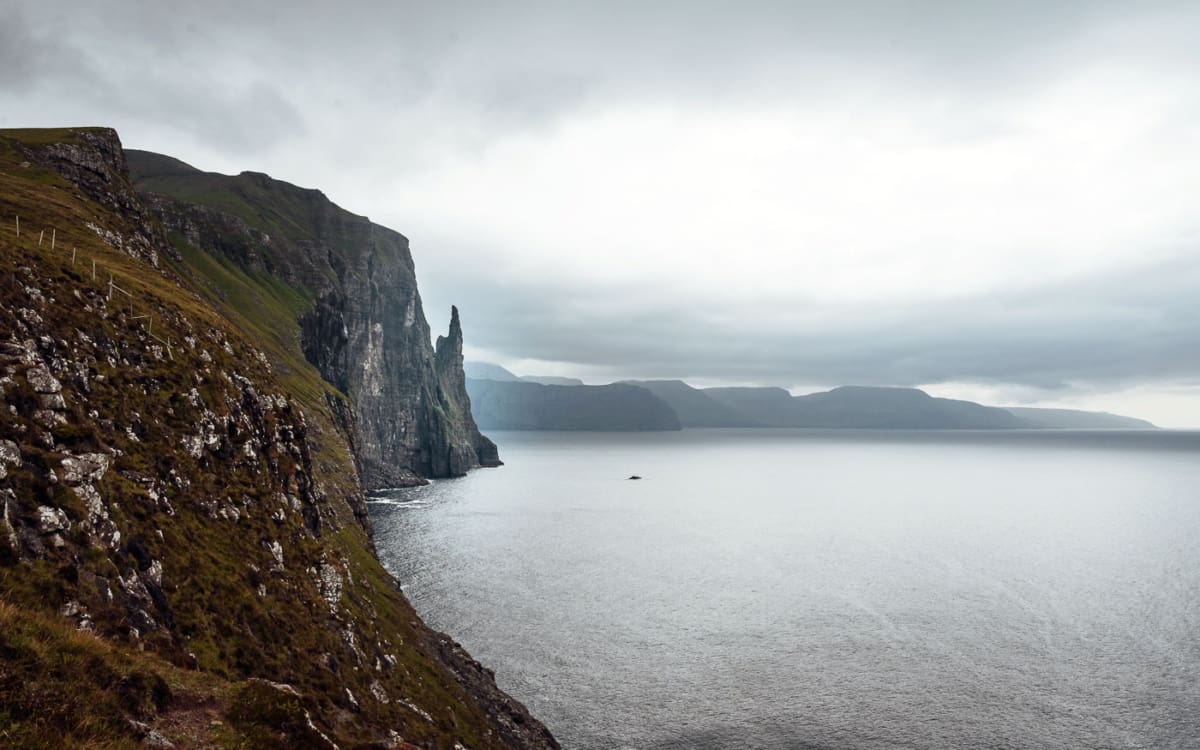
(502, 400)
(520, 405)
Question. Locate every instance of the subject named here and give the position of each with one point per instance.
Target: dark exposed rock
(343, 419)
(516, 726)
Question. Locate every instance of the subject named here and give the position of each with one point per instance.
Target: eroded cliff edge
(183, 548)
(350, 287)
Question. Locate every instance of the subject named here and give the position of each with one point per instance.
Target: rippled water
(780, 589)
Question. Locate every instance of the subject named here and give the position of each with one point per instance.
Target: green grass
(280, 213)
(263, 304)
(60, 687)
(47, 136)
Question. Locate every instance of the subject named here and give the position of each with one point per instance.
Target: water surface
(810, 589)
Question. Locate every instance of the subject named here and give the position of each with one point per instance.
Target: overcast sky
(991, 200)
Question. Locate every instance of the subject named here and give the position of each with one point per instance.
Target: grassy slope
(233, 632)
(255, 199)
(262, 305)
(47, 704)
(273, 212)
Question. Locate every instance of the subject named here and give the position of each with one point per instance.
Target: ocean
(823, 589)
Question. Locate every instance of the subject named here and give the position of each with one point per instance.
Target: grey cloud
(243, 118)
(151, 82)
(1136, 326)
(518, 64)
(28, 58)
(354, 92)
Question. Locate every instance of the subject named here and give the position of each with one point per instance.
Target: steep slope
(859, 407)
(1073, 419)
(182, 531)
(503, 405)
(695, 407)
(330, 287)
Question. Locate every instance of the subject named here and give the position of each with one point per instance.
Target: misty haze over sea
(810, 589)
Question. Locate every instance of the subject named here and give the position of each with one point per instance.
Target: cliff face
(182, 546)
(360, 317)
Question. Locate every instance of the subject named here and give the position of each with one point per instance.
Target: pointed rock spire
(455, 326)
(448, 352)
(448, 362)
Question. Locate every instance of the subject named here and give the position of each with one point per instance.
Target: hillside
(184, 548)
(1073, 419)
(507, 405)
(858, 407)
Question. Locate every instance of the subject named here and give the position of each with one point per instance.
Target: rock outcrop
(468, 447)
(351, 288)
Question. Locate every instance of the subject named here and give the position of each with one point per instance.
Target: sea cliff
(192, 407)
(350, 286)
